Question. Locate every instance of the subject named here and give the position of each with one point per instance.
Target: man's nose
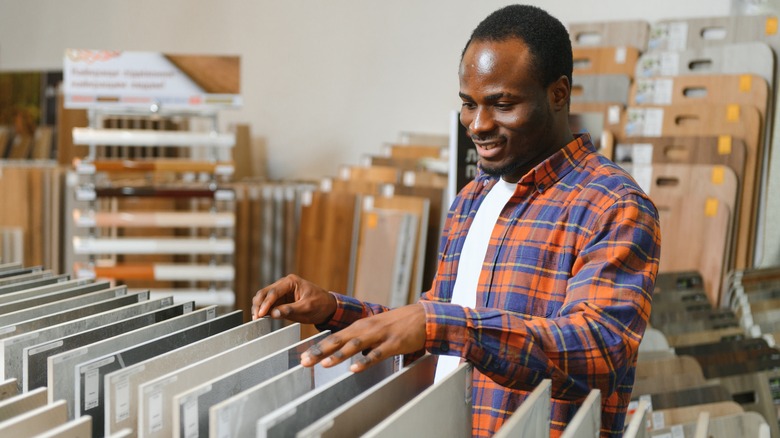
(482, 122)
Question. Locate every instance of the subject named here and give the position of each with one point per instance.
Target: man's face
(506, 111)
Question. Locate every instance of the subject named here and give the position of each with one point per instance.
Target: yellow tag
(718, 173)
(724, 144)
(732, 113)
(372, 220)
(711, 207)
(745, 83)
(771, 26)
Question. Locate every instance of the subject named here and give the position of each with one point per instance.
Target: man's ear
(559, 93)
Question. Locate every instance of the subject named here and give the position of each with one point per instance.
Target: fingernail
(327, 362)
(354, 368)
(305, 359)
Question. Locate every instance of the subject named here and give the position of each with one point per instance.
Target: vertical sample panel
(35, 358)
(36, 421)
(191, 408)
(451, 395)
(98, 293)
(155, 406)
(89, 384)
(22, 403)
(121, 391)
(368, 409)
(301, 412)
(11, 348)
(532, 418)
(586, 423)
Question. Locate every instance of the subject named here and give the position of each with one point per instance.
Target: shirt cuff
(446, 329)
(348, 310)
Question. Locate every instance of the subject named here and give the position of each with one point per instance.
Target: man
(547, 259)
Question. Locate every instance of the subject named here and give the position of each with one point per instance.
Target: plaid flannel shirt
(564, 292)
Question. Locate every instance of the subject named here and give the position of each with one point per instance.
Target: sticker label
(654, 91)
(122, 407)
(191, 418)
(620, 55)
(645, 122)
(44, 347)
(155, 412)
(658, 420)
(745, 83)
(91, 399)
(724, 145)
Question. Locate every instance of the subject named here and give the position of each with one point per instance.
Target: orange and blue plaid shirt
(564, 292)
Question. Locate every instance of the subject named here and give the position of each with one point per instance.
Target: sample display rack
(150, 206)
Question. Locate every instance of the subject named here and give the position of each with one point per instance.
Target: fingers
(334, 350)
(265, 299)
(399, 331)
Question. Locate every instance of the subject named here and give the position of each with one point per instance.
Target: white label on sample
(658, 420)
(654, 91)
(91, 389)
(677, 36)
(620, 55)
(191, 417)
(122, 410)
(155, 412)
(224, 422)
(44, 347)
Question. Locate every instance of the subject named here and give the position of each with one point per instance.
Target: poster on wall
(150, 80)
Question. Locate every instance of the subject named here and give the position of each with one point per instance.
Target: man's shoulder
(599, 173)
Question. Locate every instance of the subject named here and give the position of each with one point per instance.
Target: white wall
(323, 81)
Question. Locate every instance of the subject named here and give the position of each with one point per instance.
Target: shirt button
(445, 347)
(541, 187)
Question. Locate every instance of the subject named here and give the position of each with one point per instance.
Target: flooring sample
(121, 387)
(618, 60)
(610, 33)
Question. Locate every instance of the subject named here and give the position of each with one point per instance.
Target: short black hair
(545, 36)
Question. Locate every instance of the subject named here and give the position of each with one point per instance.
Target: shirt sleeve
(593, 340)
(349, 310)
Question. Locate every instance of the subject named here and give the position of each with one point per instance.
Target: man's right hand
(295, 299)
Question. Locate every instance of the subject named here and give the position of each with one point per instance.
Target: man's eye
(503, 106)
(468, 105)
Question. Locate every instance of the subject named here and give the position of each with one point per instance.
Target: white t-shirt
(472, 256)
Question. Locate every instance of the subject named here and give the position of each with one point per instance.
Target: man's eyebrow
(490, 98)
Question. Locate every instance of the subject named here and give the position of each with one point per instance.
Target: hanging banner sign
(150, 80)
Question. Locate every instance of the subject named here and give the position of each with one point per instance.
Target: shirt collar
(555, 167)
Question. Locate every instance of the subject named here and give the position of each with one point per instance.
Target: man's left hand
(398, 331)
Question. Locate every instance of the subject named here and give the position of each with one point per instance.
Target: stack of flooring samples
(82, 358)
(720, 362)
(696, 133)
(32, 214)
(151, 205)
(373, 231)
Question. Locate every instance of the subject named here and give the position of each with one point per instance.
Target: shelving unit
(150, 206)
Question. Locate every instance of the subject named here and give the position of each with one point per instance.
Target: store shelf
(161, 272)
(152, 246)
(128, 219)
(143, 137)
